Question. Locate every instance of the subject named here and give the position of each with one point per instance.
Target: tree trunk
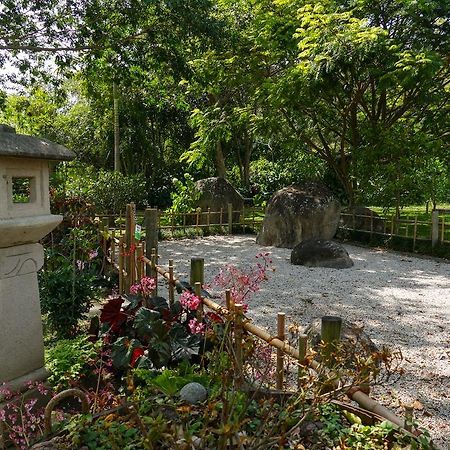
(220, 161)
(116, 128)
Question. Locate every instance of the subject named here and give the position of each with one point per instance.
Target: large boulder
(297, 213)
(321, 253)
(216, 193)
(362, 218)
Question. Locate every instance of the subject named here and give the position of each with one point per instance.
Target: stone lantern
(24, 219)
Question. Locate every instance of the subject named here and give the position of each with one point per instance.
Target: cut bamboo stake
(139, 262)
(132, 247)
(302, 346)
(442, 229)
(154, 272)
(409, 417)
(330, 334)
(434, 228)
(113, 247)
(415, 233)
(221, 220)
(230, 218)
(120, 257)
(208, 220)
(238, 334)
(198, 293)
(281, 321)
(151, 231)
(228, 300)
(171, 285)
(197, 221)
(197, 271)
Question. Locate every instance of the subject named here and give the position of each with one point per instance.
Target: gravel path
(402, 301)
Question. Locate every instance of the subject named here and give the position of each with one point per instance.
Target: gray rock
(216, 193)
(298, 213)
(321, 253)
(193, 393)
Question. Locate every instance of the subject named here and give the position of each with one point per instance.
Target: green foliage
(185, 196)
(70, 280)
(70, 360)
(108, 192)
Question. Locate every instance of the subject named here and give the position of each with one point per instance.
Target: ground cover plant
(134, 360)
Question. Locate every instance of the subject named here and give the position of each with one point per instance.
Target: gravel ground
(402, 301)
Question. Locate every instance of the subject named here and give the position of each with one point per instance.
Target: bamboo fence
(127, 254)
(435, 230)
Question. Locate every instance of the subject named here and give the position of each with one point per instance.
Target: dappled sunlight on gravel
(402, 301)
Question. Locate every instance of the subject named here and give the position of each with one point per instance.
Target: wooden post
(171, 285)
(230, 218)
(208, 220)
(392, 225)
(221, 220)
(139, 262)
(243, 218)
(153, 271)
(228, 300)
(151, 230)
(132, 247)
(330, 333)
(197, 271)
(281, 321)
(120, 258)
(302, 346)
(113, 247)
(198, 293)
(238, 334)
(442, 229)
(197, 221)
(415, 233)
(371, 224)
(172, 223)
(434, 228)
(409, 417)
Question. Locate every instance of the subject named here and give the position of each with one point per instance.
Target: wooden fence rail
(134, 262)
(436, 230)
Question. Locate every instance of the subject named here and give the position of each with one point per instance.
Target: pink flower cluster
(243, 283)
(145, 286)
(189, 301)
(196, 327)
(23, 422)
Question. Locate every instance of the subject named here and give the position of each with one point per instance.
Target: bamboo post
(198, 293)
(243, 218)
(281, 323)
(230, 218)
(442, 229)
(434, 228)
(371, 224)
(302, 346)
(171, 284)
(414, 233)
(139, 262)
(409, 417)
(228, 300)
(120, 258)
(172, 223)
(113, 247)
(330, 334)
(392, 226)
(197, 221)
(197, 271)
(151, 230)
(132, 248)
(153, 271)
(208, 220)
(238, 334)
(221, 220)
